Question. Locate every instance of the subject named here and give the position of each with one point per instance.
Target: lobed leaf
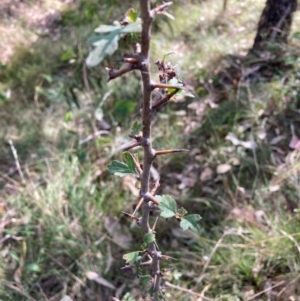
(136, 128)
(191, 221)
(119, 169)
(149, 238)
(107, 45)
(132, 15)
(131, 257)
(128, 157)
(167, 205)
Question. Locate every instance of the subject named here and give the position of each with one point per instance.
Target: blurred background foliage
(63, 235)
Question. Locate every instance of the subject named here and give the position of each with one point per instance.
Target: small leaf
(33, 267)
(146, 281)
(119, 169)
(149, 238)
(191, 221)
(107, 45)
(99, 114)
(128, 157)
(68, 116)
(174, 82)
(223, 168)
(181, 212)
(295, 142)
(132, 15)
(136, 128)
(131, 257)
(179, 85)
(167, 205)
(187, 93)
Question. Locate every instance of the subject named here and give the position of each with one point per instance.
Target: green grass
(63, 220)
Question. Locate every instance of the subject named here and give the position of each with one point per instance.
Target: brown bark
(275, 23)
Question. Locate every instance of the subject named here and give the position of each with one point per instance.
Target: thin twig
(265, 290)
(276, 29)
(15, 154)
(114, 73)
(162, 7)
(217, 245)
(16, 289)
(85, 78)
(168, 284)
(131, 146)
(94, 136)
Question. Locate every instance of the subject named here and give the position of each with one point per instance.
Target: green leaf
(182, 211)
(191, 221)
(107, 45)
(119, 169)
(33, 267)
(68, 116)
(136, 128)
(186, 93)
(107, 28)
(131, 257)
(132, 15)
(68, 54)
(174, 82)
(183, 91)
(167, 205)
(128, 157)
(132, 27)
(146, 281)
(149, 238)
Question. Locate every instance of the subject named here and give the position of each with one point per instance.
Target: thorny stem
(149, 154)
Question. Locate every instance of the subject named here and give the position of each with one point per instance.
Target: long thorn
(170, 151)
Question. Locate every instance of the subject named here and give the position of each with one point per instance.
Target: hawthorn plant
(136, 26)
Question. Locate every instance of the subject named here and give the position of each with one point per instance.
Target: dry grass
(59, 223)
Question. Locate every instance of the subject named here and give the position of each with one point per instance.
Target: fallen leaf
(97, 278)
(246, 144)
(66, 298)
(249, 144)
(243, 215)
(262, 135)
(233, 139)
(277, 139)
(120, 236)
(274, 188)
(235, 161)
(223, 168)
(206, 174)
(295, 142)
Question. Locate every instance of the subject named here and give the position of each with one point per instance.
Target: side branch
(114, 73)
(165, 99)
